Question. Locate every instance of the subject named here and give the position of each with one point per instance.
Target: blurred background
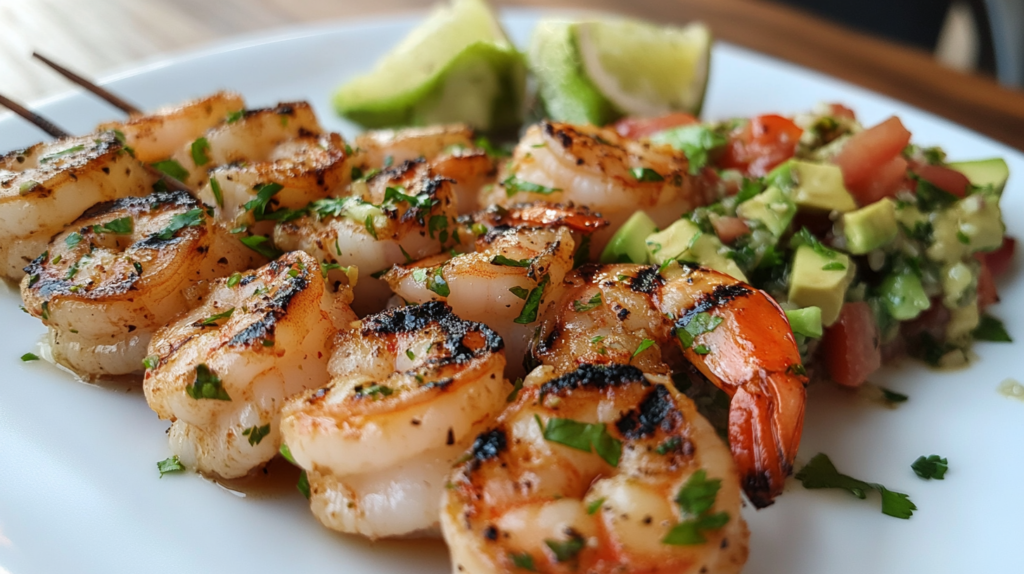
(973, 35)
(961, 59)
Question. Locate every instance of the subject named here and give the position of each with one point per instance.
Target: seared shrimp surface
(401, 214)
(255, 194)
(596, 167)
(222, 371)
(596, 471)
(249, 136)
(158, 135)
(49, 185)
(734, 334)
(410, 388)
(120, 272)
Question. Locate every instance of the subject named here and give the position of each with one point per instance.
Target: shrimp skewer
(222, 371)
(49, 185)
(120, 272)
(734, 334)
(529, 496)
(403, 213)
(410, 388)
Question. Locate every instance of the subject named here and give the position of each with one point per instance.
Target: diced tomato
(729, 228)
(888, 179)
(850, 346)
(841, 111)
(765, 142)
(944, 178)
(998, 261)
(636, 128)
(864, 155)
(987, 293)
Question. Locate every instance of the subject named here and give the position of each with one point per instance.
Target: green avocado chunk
(806, 321)
(985, 172)
(627, 245)
(870, 227)
(684, 241)
(772, 207)
(820, 280)
(903, 295)
(816, 186)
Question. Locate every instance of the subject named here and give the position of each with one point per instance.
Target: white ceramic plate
(79, 490)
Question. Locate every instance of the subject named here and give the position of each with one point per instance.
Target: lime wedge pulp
(646, 70)
(457, 65)
(564, 88)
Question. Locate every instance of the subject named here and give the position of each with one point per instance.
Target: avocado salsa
(875, 247)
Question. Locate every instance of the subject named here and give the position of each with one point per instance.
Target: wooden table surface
(95, 36)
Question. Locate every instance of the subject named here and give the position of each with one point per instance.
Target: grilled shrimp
(510, 274)
(401, 214)
(49, 185)
(223, 370)
(449, 148)
(158, 135)
(734, 334)
(251, 136)
(598, 168)
(602, 469)
(410, 389)
(299, 171)
(120, 272)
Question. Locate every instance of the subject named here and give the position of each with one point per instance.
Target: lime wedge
(456, 66)
(643, 69)
(567, 93)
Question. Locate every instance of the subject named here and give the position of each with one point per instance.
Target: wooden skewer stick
(110, 98)
(33, 118)
(48, 127)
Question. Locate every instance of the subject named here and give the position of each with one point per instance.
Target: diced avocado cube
(627, 245)
(870, 227)
(684, 241)
(820, 280)
(974, 223)
(984, 172)
(903, 295)
(772, 207)
(819, 186)
(806, 321)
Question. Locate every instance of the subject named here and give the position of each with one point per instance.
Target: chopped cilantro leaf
(514, 185)
(597, 339)
(394, 195)
(585, 437)
(218, 196)
(932, 466)
(520, 292)
(371, 228)
(502, 260)
(696, 141)
(437, 283)
(29, 357)
(303, 484)
(150, 362)
(491, 150)
(73, 240)
(991, 329)
(646, 174)
(833, 266)
(286, 453)
(821, 473)
(200, 148)
(171, 464)
(695, 499)
(256, 433)
(374, 391)
(52, 156)
(233, 117)
(893, 396)
(191, 218)
(593, 303)
(259, 204)
(671, 444)
(644, 345)
(532, 305)
(698, 324)
(212, 319)
(518, 386)
(594, 506)
(171, 168)
(234, 279)
(566, 550)
(523, 560)
(930, 197)
(207, 385)
(256, 243)
(119, 226)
